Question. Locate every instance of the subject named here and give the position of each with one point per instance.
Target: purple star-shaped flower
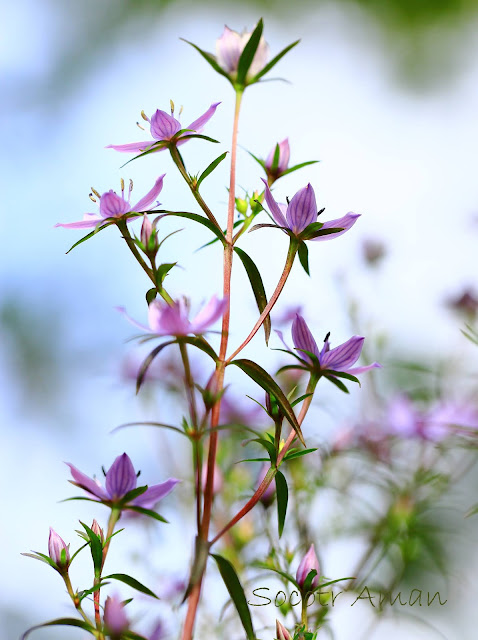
(112, 205)
(173, 320)
(301, 211)
(339, 359)
(121, 478)
(165, 127)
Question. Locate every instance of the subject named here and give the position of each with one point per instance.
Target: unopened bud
(281, 632)
(308, 563)
(277, 161)
(241, 206)
(148, 236)
(58, 550)
(115, 617)
(95, 527)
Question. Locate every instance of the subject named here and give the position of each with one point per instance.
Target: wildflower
(115, 617)
(281, 632)
(276, 170)
(301, 212)
(308, 563)
(172, 320)
(112, 205)
(229, 48)
(166, 129)
(58, 550)
(121, 478)
(337, 360)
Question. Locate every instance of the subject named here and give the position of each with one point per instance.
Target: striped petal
(150, 197)
(274, 207)
(343, 356)
(121, 477)
(345, 223)
(199, 123)
(302, 209)
(303, 338)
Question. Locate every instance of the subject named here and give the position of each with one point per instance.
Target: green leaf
(341, 374)
(248, 54)
(149, 424)
(200, 219)
(199, 135)
(211, 168)
(268, 446)
(131, 635)
(162, 271)
(263, 225)
(274, 61)
(134, 493)
(152, 147)
(321, 232)
(338, 383)
(264, 565)
(261, 162)
(151, 295)
(211, 59)
(263, 379)
(36, 555)
(66, 622)
(147, 512)
(147, 363)
(299, 166)
(291, 455)
(132, 582)
(236, 592)
(90, 235)
(257, 288)
(96, 548)
(297, 400)
(282, 493)
(200, 343)
(304, 257)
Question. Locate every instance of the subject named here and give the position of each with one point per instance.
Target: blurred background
(384, 94)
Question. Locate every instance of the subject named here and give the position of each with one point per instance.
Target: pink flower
(173, 320)
(112, 205)
(115, 617)
(58, 550)
(165, 128)
(308, 563)
(230, 46)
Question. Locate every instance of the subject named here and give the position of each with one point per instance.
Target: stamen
(327, 337)
(172, 107)
(180, 111)
(144, 116)
(96, 192)
(91, 197)
(104, 472)
(138, 474)
(142, 128)
(130, 188)
(287, 199)
(122, 187)
(321, 211)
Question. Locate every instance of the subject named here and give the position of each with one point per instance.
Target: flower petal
(209, 314)
(303, 338)
(86, 483)
(168, 320)
(356, 370)
(112, 205)
(199, 123)
(81, 224)
(228, 50)
(133, 147)
(274, 207)
(302, 209)
(150, 197)
(284, 155)
(155, 493)
(164, 126)
(344, 223)
(121, 477)
(343, 356)
(132, 320)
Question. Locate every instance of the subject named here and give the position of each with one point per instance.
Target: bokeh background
(384, 94)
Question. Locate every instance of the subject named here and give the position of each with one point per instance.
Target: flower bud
(148, 236)
(95, 527)
(308, 563)
(115, 617)
(241, 206)
(281, 632)
(275, 170)
(58, 550)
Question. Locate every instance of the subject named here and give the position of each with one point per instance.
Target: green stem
(74, 598)
(175, 155)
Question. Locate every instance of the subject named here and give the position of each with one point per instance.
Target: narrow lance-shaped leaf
(274, 61)
(131, 582)
(282, 493)
(263, 379)
(257, 287)
(236, 592)
(210, 168)
(96, 548)
(304, 257)
(147, 512)
(209, 58)
(147, 363)
(248, 53)
(197, 218)
(65, 622)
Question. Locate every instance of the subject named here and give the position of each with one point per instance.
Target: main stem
(193, 600)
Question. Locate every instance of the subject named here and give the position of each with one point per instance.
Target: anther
(172, 107)
(321, 211)
(122, 184)
(138, 125)
(180, 111)
(91, 197)
(287, 199)
(144, 116)
(96, 192)
(130, 185)
(327, 337)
